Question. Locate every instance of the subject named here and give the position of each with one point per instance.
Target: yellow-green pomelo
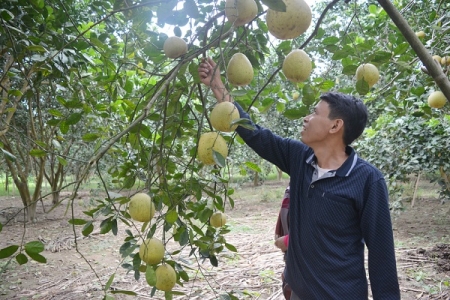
(297, 66)
(420, 34)
(218, 219)
(437, 99)
(445, 60)
(369, 73)
(222, 115)
(165, 277)
(209, 141)
(437, 58)
(174, 47)
(239, 70)
(291, 23)
(151, 251)
(141, 207)
(240, 12)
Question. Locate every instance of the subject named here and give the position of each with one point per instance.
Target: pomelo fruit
(218, 219)
(165, 277)
(437, 99)
(222, 115)
(209, 141)
(151, 251)
(239, 70)
(369, 73)
(141, 207)
(291, 23)
(175, 47)
(297, 66)
(240, 12)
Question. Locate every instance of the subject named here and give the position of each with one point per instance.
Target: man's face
(317, 125)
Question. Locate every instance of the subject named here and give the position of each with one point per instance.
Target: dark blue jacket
(330, 220)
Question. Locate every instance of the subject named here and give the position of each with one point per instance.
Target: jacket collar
(346, 167)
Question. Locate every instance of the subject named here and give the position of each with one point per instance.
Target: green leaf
(6, 15)
(64, 127)
(381, 57)
(373, 9)
(400, 49)
(418, 91)
(213, 260)
(110, 281)
(253, 166)
(114, 228)
(129, 182)
(309, 95)
(37, 257)
(150, 276)
(126, 249)
(218, 158)
(55, 113)
(331, 40)
(295, 114)
(362, 87)
(8, 251)
(276, 5)
(105, 226)
(87, 229)
(349, 70)
(34, 247)
(244, 122)
(191, 9)
(74, 104)
(77, 221)
(38, 3)
(125, 292)
(171, 216)
(73, 119)
(168, 295)
(238, 93)
(90, 137)
(15, 93)
(340, 54)
(62, 161)
(9, 156)
(230, 247)
(21, 259)
(38, 152)
(37, 48)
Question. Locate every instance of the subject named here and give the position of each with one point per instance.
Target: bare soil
(80, 269)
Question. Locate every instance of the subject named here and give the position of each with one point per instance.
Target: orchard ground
(422, 236)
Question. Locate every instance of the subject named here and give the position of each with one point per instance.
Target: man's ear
(338, 125)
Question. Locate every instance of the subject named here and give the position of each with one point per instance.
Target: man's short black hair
(351, 110)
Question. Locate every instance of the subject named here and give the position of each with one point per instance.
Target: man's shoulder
(365, 167)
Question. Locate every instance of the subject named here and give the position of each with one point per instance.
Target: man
(339, 202)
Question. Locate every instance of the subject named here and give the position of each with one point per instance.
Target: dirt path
(421, 233)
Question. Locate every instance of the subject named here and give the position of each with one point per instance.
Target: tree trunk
(31, 211)
(445, 178)
(6, 182)
(280, 174)
(55, 197)
(415, 189)
(256, 179)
